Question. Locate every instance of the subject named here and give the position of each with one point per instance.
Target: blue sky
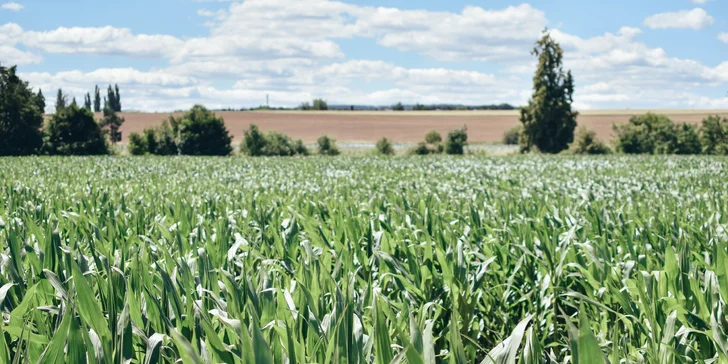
(171, 54)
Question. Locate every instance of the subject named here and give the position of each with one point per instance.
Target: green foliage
(97, 99)
(61, 101)
(21, 115)
(656, 134)
(456, 141)
(714, 135)
(40, 101)
(73, 131)
(161, 140)
(586, 142)
(256, 144)
(512, 135)
(398, 107)
(364, 260)
(111, 122)
(548, 120)
(327, 146)
(433, 137)
(87, 101)
(113, 99)
(423, 148)
(202, 133)
(137, 144)
(384, 147)
(687, 139)
(320, 104)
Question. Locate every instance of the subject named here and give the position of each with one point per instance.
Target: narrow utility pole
(267, 104)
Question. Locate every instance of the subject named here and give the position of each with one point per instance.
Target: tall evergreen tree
(74, 103)
(40, 101)
(548, 120)
(87, 101)
(113, 122)
(97, 99)
(117, 98)
(61, 101)
(20, 116)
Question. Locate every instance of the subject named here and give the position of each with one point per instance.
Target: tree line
(548, 125)
(71, 130)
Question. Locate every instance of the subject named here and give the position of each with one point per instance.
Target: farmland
(406, 127)
(240, 260)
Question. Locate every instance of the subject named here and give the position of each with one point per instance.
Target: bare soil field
(405, 127)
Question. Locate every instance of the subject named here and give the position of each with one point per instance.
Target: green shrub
(714, 135)
(320, 104)
(384, 147)
(423, 148)
(73, 131)
(512, 135)
(687, 139)
(300, 149)
(456, 141)
(586, 142)
(202, 133)
(327, 146)
(137, 144)
(433, 137)
(657, 134)
(273, 143)
(398, 107)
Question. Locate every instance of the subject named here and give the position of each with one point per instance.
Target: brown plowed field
(483, 126)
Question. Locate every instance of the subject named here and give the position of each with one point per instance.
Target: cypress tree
(87, 101)
(40, 101)
(548, 120)
(61, 100)
(97, 99)
(117, 99)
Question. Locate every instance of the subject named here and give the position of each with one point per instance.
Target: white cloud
(685, 19)
(101, 41)
(723, 37)
(12, 6)
(288, 49)
(699, 1)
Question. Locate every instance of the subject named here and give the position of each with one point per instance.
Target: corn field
(364, 260)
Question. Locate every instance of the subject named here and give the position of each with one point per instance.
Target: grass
(352, 260)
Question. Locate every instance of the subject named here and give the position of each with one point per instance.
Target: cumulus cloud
(723, 37)
(686, 19)
(12, 6)
(289, 49)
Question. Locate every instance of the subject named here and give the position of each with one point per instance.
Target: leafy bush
(137, 144)
(160, 140)
(73, 131)
(256, 143)
(586, 142)
(327, 146)
(111, 120)
(433, 137)
(299, 148)
(656, 134)
(714, 135)
(687, 140)
(512, 135)
(423, 148)
(202, 133)
(320, 104)
(398, 107)
(21, 115)
(384, 147)
(456, 141)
